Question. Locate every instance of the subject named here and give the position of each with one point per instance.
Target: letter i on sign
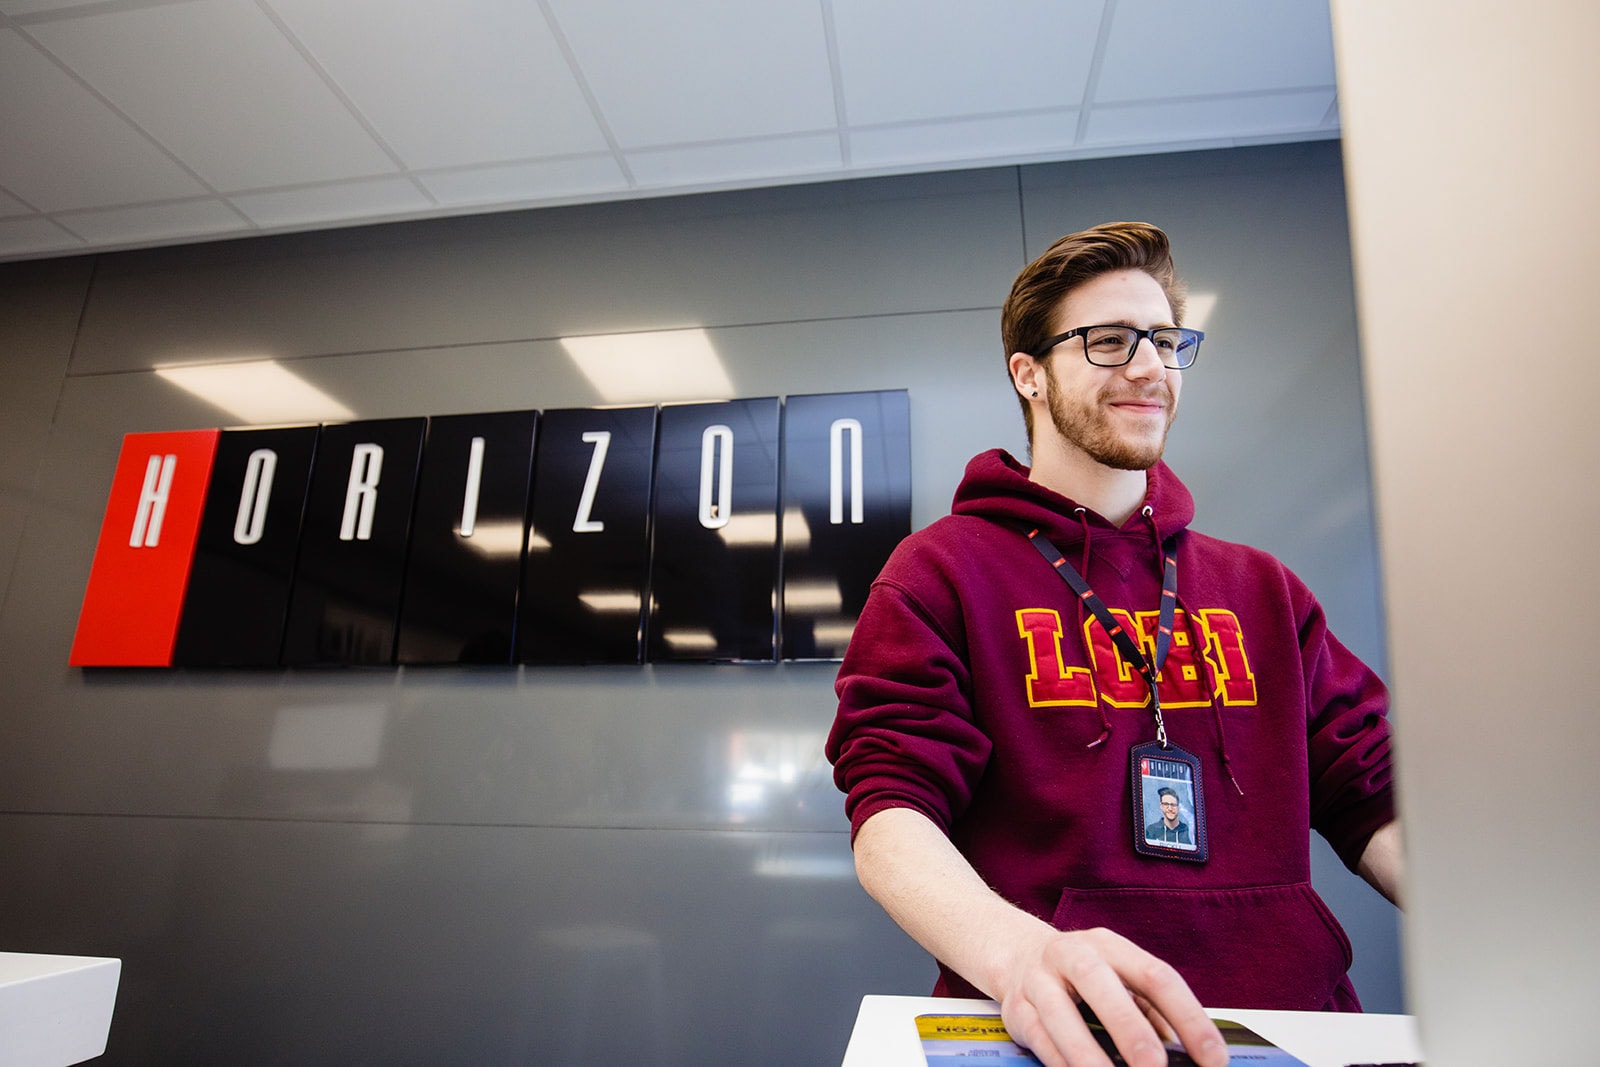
(141, 565)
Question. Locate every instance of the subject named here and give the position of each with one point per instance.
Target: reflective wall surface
(561, 863)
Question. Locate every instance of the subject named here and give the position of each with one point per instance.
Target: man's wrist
(1023, 939)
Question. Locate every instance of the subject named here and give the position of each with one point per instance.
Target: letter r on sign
(361, 494)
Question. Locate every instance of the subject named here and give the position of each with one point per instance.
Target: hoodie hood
(996, 487)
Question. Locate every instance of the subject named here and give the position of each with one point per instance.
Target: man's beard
(1088, 426)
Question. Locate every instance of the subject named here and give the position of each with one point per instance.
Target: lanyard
(1125, 643)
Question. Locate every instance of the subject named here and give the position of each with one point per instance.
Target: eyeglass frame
(1138, 335)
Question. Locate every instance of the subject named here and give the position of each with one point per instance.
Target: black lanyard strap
(1118, 633)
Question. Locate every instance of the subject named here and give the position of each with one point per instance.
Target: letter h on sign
(135, 596)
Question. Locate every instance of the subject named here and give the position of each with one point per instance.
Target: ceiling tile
(1178, 121)
(587, 177)
(304, 113)
(33, 237)
(767, 160)
(921, 59)
(471, 81)
(371, 198)
(1161, 49)
(156, 222)
(219, 85)
(711, 70)
(60, 148)
(937, 144)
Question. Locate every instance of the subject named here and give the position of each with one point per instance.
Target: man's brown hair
(1028, 317)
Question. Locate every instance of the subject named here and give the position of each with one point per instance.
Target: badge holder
(1169, 805)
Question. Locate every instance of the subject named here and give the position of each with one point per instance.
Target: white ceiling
(126, 123)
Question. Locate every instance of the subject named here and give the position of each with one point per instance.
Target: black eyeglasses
(1113, 346)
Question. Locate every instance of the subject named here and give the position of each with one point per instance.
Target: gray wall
(468, 866)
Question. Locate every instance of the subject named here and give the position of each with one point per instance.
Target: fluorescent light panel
(257, 392)
(690, 640)
(495, 540)
(627, 603)
(749, 530)
(811, 868)
(1197, 309)
(327, 738)
(813, 597)
(796, 531)
(833, 633)
(663, 365)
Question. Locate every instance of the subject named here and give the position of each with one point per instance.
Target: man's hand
(1036, 972)
(1138, 999)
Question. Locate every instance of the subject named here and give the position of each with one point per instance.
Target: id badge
(1169, 806)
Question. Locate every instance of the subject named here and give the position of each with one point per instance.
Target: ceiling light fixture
(257, 392)
(652, 367)
(1198, 308)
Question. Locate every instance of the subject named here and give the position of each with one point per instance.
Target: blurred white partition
(55, 1010)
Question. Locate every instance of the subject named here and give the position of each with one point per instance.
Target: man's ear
(1027, 375)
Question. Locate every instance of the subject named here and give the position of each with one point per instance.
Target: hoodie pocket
(1262, 947)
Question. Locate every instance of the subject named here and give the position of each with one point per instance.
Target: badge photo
(1169, 812)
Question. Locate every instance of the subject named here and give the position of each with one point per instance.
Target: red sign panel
(141, 566)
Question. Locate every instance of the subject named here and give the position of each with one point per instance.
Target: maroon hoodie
(977, 685)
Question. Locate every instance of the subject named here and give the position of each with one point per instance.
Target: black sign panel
(243, 565)
(846, 504)
(714, 578)
(465, 559)
(353, 544)
(588, 540)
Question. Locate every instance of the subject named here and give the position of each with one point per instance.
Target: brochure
(969, 1040)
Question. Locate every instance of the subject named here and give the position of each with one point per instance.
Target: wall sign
(736, 531)
(353, 542)
(716, 532)
(839, 474)
(242, 569)
(586, 572)
(459, 599)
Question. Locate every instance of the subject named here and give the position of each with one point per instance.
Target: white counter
(55, 1010)
(885, 1033)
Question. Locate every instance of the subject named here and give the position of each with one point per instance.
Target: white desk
(55, 1010)
(885, 1034)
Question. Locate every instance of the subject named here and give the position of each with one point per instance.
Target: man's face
(1169, 809)
(1118, 416)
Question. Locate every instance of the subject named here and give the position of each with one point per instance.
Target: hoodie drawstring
(1200, 654)
(1212, 688)
(1083, 568)
(1171, 603)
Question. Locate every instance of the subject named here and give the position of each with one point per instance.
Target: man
(1169, 829)
(990, 715)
